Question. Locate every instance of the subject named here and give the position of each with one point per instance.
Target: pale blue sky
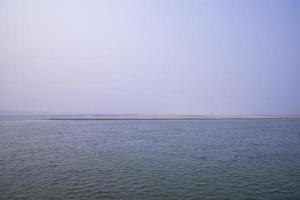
(155, 56)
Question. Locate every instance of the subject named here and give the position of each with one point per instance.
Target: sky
(150, 56)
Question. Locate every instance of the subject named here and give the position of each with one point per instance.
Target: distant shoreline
(174, 117)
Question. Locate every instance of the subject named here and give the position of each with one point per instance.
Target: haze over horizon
(168, 57)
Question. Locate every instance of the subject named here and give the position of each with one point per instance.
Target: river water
(150, 159)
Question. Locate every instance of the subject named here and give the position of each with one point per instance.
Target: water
(180, 159)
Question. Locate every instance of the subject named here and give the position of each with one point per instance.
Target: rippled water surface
(180, 159)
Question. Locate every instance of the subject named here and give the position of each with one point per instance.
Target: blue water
(180, 159)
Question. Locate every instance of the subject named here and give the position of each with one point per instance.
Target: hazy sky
(151, 56)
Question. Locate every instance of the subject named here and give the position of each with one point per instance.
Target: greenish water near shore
(150, 159)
